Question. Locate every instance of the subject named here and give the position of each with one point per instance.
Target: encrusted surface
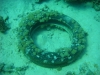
(63, 56)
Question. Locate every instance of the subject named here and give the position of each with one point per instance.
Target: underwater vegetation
(96, 5)
(39, 1)
(10, 69)
(74, 0)
(84, 69)
(3, 26)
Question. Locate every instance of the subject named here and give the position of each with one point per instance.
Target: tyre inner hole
(51, 37)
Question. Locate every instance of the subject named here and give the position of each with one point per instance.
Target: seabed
(14, 62)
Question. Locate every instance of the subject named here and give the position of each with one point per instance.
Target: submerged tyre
(53, 19)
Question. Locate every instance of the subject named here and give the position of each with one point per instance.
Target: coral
(66, 54)
(73, 51)
(3, 27)
(37, 50)
(82, 41)
(81, 47)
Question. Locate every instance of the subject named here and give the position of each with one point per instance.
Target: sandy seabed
(11, 57)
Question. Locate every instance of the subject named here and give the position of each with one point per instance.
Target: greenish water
(52, 37)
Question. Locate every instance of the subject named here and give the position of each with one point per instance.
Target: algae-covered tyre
(50, 18)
